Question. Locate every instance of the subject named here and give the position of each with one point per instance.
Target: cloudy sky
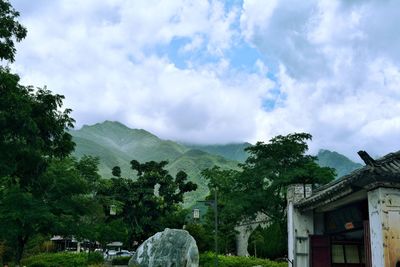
(223, 71)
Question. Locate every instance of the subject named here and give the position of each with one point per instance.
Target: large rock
(170, 248)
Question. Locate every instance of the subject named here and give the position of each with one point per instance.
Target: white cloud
(336, 66)
(103, 58)
(339, 73)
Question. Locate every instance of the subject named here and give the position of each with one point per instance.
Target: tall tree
(272, 166)
(260, 187)
(11, 31)
(144, 203)
(32, 136)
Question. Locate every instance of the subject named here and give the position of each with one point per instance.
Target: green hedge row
(207, 260)
(68, 259)
(65, 259)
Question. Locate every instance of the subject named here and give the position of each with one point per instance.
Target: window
(337, 254)
(349, 253)
(352, 254)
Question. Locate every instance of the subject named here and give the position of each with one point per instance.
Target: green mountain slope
(193, 162)
(228, 151)
(115, 144)
(332, 159)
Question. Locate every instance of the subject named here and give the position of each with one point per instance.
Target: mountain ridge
(116, 145)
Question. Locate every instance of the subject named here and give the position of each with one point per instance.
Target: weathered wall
(384, 217)
(300, 226)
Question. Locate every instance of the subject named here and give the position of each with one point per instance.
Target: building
(353, 221)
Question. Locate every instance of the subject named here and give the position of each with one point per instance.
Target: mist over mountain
(116, 145)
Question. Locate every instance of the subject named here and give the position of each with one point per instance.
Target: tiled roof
(381, 171)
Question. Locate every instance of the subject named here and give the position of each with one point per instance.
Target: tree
(145, 204)
(32, 137)
(10, 31)
(116, 171)
(57, 202)
(260, 187)
(272, 166)
(229, 210)
(32, 134)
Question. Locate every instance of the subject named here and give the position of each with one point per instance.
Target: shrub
(270, 242)
(95, 258)
(121, 260)
(207, 260)
(65, 259)
(204, 238)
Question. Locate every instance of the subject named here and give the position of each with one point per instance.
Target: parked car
(110, 254)
(124, 253)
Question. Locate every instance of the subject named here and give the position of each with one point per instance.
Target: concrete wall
(300, 226)
(384, 218)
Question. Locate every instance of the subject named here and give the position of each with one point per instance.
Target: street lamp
(213, 203)
(216, 226)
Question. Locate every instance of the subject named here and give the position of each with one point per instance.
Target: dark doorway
(320, 251)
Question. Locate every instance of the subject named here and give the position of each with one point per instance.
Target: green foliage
(120, 260)
(269, 242)
(116, 171)
(57, 203)
(115, 144)
(95, 258)
(10, 31)
(65, 259)
(229, 207)
(148, 204)
(208, 259)
(202, 235)
(340, 163)
(38, 244)
(260, 187)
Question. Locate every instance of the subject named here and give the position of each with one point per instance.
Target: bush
(95, 258)
(65, 259)
(121, 260)
(204, 238)
(270, 242)
(207, 260)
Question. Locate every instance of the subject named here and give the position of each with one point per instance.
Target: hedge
(207, 260)
(121, 260)
(68, 259)
(64, 259)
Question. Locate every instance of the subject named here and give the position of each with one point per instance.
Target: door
(320, 247)
(367, 245)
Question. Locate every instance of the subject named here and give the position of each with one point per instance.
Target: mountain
(342, 164)
(116, 145)
(229, 151)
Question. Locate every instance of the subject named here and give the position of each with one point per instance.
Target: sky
(223, 71)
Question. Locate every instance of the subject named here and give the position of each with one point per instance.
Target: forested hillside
(116, 145)
(342, 164)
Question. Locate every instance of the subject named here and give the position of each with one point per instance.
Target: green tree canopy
(39, 187)
(11, 31)
(260, 187)
(57, 202)
(144, 204)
